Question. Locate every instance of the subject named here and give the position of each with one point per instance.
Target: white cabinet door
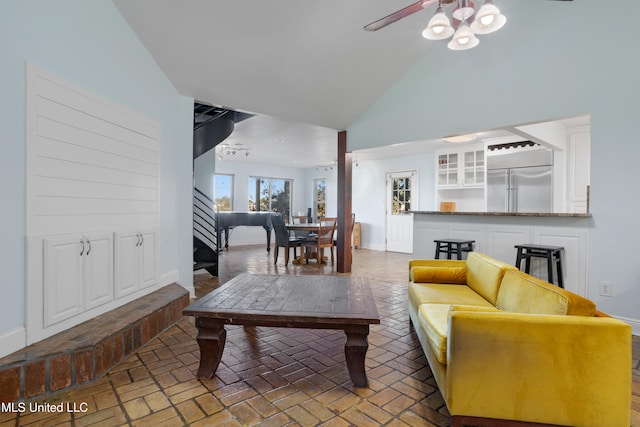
(63, 278)
(135, 261)
(148, 264)
(98, 269)
(127, 263)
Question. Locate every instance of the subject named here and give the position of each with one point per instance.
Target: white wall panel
(87, 158)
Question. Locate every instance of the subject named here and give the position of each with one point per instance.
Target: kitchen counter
(497, 233)
(530, 214)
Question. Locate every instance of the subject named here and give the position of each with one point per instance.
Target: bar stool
(453, 246)
(550, 253)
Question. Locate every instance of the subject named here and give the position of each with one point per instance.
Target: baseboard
(12, 340)
(635, 324)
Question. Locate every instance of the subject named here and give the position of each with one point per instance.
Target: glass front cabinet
(463, 168)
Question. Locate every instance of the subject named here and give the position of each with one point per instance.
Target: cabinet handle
(82, 250)
(138, 240)
(89, 243)
(141, 239)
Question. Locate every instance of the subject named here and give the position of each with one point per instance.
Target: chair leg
(286, 256)
(275, 254)
(331, 255)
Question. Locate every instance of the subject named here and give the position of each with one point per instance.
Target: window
(270, 195)
(223, 192)
(320, 190)
(401, 196)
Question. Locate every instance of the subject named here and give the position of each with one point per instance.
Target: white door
(402, 197)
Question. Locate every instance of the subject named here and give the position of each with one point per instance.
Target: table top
(316, 301)
(314, 226)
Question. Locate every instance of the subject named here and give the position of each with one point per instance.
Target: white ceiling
(306, 68)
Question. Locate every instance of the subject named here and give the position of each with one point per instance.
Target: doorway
(401, 199)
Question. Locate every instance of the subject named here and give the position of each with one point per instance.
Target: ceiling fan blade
(396, 16)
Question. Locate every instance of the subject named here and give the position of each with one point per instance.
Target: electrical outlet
(606, 289)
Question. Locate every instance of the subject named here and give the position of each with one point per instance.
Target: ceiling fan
(466, 21)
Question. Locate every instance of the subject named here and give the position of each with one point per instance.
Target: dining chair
(284, 240)
(324, 239)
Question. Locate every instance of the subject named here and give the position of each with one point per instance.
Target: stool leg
(527, 264)
(559, 268)
(519, 258)
(459, 251)
(550, 267)
(437, 250)
(449, 251)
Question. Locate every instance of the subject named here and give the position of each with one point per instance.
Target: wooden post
(343, 248)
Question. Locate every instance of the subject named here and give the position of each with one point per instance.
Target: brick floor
(272, 376)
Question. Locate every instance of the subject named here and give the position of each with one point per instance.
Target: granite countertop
(535, 214)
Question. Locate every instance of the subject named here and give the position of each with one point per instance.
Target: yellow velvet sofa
(506, 348)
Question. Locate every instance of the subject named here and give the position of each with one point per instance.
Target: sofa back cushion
(484, 275)
(522, 293)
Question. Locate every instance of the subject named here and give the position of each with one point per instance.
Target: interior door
(401, 199)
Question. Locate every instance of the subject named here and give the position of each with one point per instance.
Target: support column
(343, 249)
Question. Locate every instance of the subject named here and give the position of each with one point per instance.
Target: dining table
(312, 227)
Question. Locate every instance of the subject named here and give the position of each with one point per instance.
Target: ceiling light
(460, 138)
(466, 23)
(488, 19)
(463, 38)
(439, 27)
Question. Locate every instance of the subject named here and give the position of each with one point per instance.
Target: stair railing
(205, 220)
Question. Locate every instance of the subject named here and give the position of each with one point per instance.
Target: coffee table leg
(355, 351)
(211, 338)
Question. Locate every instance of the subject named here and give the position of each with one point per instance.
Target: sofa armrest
(566, 370)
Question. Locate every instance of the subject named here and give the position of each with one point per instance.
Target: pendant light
(463, 38)
(439, 27)
(488, 19)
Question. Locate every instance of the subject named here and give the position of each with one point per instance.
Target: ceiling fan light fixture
(488, 19)
(439, 27)
(463, 38)
(464, 10)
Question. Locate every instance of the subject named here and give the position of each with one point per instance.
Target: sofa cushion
(484, 275)
(434, 321)
(440, 274)
(437, 293)
(523, 293)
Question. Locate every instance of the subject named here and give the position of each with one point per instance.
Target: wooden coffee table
(315, 302)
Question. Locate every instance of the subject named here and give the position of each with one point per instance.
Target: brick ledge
(87, 351)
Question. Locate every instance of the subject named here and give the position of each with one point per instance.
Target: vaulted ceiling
(305, 68)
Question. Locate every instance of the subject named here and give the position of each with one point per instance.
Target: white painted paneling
(88, 159)
(92, 169)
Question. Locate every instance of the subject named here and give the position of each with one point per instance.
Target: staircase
(206, 242)
(211, 126)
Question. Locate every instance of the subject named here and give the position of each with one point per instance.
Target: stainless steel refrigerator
(520, 182)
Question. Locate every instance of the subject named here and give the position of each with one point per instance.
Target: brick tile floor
(272, 376)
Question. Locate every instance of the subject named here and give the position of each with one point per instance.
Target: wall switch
(606, 289)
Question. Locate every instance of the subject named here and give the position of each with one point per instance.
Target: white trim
(12, 340)
(635, 324)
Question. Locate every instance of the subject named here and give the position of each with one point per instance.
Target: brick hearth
(87, 351)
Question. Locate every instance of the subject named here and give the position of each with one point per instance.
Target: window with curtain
(223, 192)
(270, 195)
